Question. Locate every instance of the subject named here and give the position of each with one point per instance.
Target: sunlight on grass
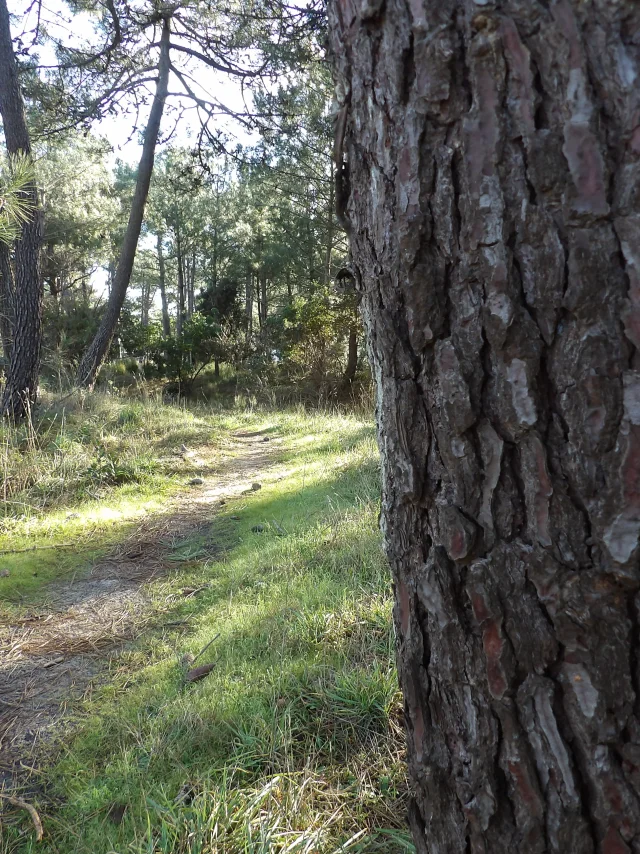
(293, 743)
(78, 471)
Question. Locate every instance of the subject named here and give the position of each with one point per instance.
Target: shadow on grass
(293, 741)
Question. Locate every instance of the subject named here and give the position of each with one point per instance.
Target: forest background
(234, 285)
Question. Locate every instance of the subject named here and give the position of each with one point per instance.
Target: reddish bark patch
(613, 843)
(493, 644)
(525, 789)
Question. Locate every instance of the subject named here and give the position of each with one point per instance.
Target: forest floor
(210, 668)
(53, 653)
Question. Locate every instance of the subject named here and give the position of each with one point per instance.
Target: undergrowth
(292, 743)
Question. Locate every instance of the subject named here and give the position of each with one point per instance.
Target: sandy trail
(50, 658)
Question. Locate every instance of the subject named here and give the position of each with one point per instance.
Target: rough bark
(99, 347)
(162, 284)
(21, 384)
(6, 303)
(489, 175)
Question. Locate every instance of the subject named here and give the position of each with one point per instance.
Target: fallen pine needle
(18, 802)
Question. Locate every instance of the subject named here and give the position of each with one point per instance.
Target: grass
(293, 742)
(80, 472)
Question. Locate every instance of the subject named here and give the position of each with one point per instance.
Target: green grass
(80, 472)
(292, 743)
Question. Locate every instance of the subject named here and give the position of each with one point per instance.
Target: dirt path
(51, 657)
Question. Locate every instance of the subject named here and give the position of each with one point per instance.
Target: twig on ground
(205, 648)
(35, 818)
(39, 548)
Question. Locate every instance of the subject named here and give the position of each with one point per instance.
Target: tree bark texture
(489, 174)
(99, 347)
(21, 384)
(6, 302)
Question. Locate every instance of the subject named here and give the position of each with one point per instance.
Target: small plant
(107, 469)
(130, 416)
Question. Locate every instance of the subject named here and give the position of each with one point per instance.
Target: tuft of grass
(293, 742)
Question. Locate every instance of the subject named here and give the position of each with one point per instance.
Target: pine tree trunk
(191, 285)
(6, 303)
(21, 384)
(330, 227)
(214, 258)
(491, 184)
(352, 358)
(248, 306)
(162, 284)
(263, 299)
(99, 347)
(181, 295)
(259, 299)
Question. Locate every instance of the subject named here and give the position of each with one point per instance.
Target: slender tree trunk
(214, 259)
(21, 383)
(99, 348)
(162, 284)
(191, 299)
(330, 227)
(180, 260)
(259, 298)
(263, 298)
(248, 306)
(187, 284)
(352, 358)
(491, 184)
(53, 281)
(311, 242)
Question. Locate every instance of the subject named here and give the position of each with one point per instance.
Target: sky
(79, 27)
